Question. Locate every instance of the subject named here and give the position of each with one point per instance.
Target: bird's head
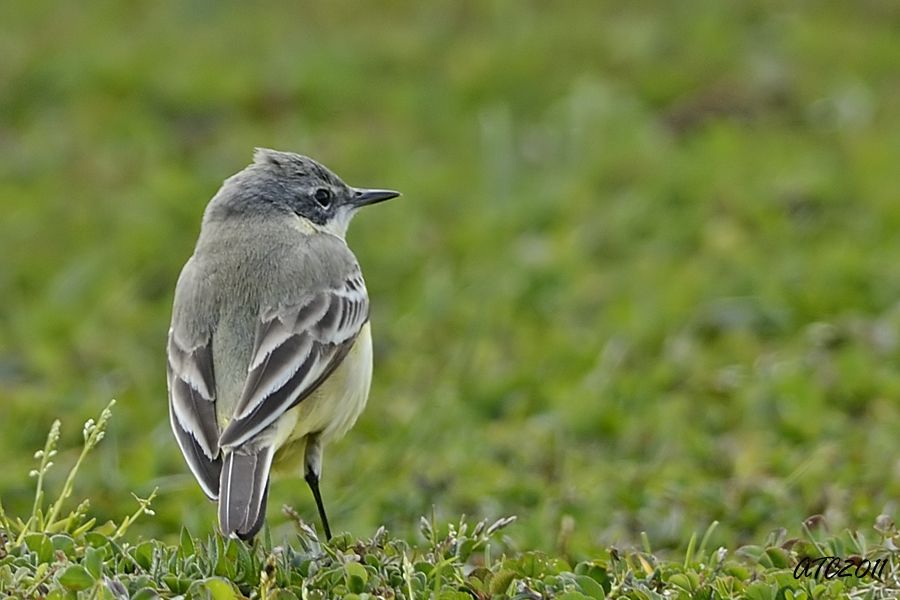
(288, 182)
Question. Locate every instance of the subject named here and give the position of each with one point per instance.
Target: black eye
(323, 197)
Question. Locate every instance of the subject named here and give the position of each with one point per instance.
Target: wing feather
(296, 349)
(280, 366)
(192, 410)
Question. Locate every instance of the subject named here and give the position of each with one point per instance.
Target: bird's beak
(363, 197)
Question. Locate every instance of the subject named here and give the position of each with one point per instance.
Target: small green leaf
(41, 545)
(500, 582)
(143, 555)
(531, 565)
(224, 562)
(356, 577)
(754, 553)
(96, 539)
(465, 549)
(689, 582)
(779, 557)
(453, 595)
(176, 584)
(596, 572)
(82, 529)
(107, 529)
(76, 578)
(93, 561)
(739, 572)
(145, 594)
(63, 543)
(244, 560)
(572, 596)
(590, 587)
(217, 588)
(760, 591)
(104, 593)
(186, 544)
(423, 567)
(556, 565)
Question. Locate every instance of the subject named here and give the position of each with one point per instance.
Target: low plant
(55, 554)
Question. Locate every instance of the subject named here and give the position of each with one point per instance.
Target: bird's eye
(323, 197)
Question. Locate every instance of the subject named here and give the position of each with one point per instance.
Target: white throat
(336, 226)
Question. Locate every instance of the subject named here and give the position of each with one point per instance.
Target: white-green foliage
(73, 557)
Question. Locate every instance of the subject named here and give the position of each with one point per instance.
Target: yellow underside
(331, 410)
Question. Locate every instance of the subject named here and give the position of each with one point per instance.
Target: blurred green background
(645, 273)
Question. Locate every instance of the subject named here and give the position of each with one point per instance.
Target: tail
(243, 491)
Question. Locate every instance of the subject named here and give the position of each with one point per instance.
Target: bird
(269, 352)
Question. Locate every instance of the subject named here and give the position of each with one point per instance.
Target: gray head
(281, 183)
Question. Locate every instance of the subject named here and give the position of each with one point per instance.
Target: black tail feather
(243, 492)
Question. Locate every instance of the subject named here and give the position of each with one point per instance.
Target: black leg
(313, 480)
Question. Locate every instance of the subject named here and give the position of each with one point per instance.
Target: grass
(642, 278)
(74, 557)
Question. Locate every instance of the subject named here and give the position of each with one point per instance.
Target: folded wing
(296, 348)
(192, 410)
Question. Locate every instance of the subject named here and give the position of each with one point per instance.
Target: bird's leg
(313, 480)
(313, 467)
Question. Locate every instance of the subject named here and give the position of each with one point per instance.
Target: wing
(296, 349)
(192, 410)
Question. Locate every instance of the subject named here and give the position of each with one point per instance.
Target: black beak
(362, 197)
